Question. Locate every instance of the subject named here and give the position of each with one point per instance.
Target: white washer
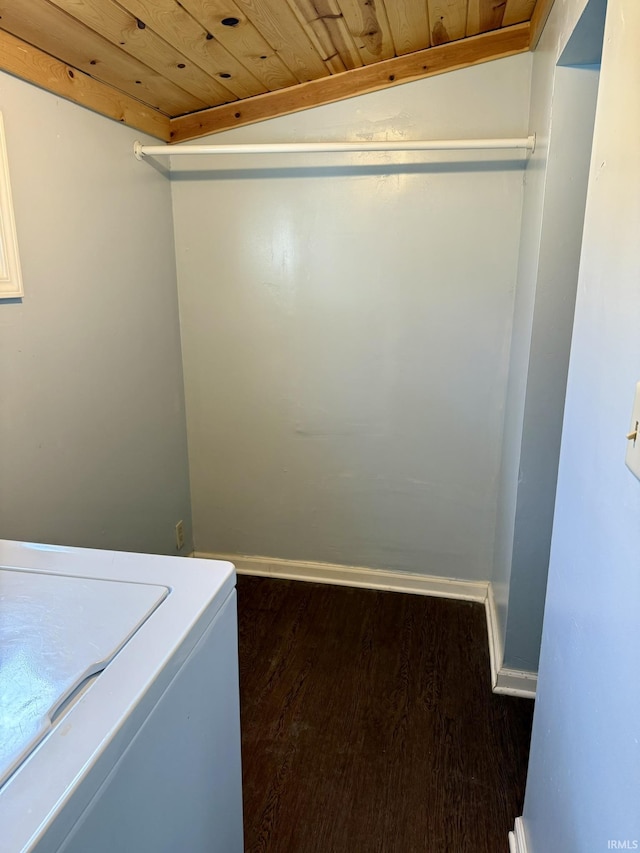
(119, 703)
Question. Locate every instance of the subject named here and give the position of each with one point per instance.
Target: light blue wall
(561, 116)
(583, 788)
(346, 323)
(574, 102)
(92, 429)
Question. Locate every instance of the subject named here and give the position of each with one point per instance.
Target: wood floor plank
(369, 724)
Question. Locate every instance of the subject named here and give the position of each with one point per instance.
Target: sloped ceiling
(179, 70)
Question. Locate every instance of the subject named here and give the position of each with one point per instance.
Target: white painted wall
(583, 787)
(92, 432)
(562, 113)
(346, 325)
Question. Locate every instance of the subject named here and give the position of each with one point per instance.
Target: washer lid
(56, 631)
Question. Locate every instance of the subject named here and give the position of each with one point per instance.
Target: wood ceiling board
(120, 28)
(539, 17)
(318, 34)
(485, 15)
(409, 22)
(37, 67)
(331, 16)
(517, 11)
(242, 40)
(72, 43)
(369, 26)
(448, 20)
(174, 24)
(280, 27)
(371, 78)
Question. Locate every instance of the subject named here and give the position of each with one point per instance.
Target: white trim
(517, 838)
(356, 576)
(10, 275)
(496, 654)
(510, 682)
(516, 682)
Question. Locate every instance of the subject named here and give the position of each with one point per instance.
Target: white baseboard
(354, 576)
(494, 636)
(517, 838)
(516, 682)
(508, 681)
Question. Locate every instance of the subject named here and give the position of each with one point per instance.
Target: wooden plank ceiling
(179, 69)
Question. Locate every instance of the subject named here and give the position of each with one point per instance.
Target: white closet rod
(528, 143)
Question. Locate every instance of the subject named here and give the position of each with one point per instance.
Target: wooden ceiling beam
(538, 20)
(33, 65)
(359, 81)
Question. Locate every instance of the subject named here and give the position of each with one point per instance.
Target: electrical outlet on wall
(180, 535)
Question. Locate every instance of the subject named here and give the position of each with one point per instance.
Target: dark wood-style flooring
(369, 725)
